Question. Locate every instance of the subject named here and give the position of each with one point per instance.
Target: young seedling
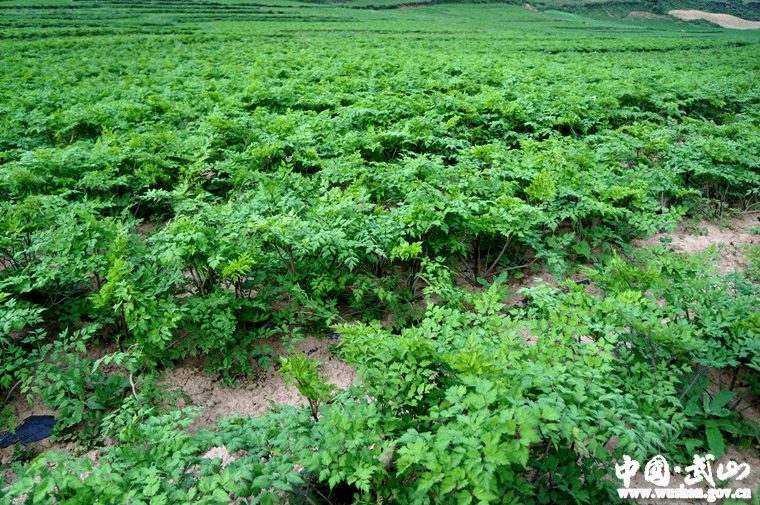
(299, 368)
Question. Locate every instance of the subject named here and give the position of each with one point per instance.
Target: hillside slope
(749, 10)
(622, 8)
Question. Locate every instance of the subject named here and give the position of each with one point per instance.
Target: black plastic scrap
(259, 357)
(33, 428)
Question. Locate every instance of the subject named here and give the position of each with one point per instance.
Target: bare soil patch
(699, 237)
(724, 20)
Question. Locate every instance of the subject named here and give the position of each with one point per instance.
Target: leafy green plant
(710, 415)
(81, 393)
(753, 254)
(451, 385)
(302, 370)
(19, 355)
(127, 471)
(22, 454)
(67, 384)
(708, 321)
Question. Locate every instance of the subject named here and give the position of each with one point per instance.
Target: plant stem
(132, 383)
(699, 374)
(493, 265)
(737, 402)
(10, 392)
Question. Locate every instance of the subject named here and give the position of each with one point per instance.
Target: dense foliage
(190, 186)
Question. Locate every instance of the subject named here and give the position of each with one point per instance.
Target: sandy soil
(724, 20)
(251, 396)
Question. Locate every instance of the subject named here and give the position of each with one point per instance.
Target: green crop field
(186, 178)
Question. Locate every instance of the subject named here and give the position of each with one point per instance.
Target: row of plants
(60, 18)
(298, 237)
(459, 410)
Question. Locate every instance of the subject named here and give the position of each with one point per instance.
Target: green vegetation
(185, 177)
(607, 10)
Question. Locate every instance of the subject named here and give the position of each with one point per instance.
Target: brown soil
(724, 20)
(699, 237)
(251, 396)
(149, 227)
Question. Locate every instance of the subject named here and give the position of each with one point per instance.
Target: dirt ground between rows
(724, 20)
(251, 396)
